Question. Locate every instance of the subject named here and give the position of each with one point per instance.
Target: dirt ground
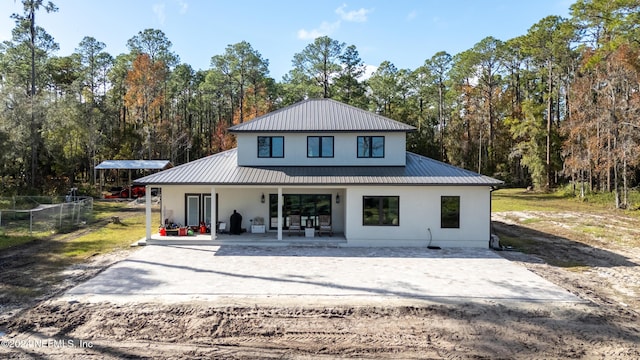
(600, 267)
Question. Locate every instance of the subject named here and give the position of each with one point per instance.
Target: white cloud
(412, 15)
(325, 28)
(368, 71)
(183, 6)
(158, 9)
(359, 15)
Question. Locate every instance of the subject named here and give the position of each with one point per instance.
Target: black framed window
(270, 146)
(308, 206)
(450, 212)
(381, 210)
(320, 146)
(370, 146)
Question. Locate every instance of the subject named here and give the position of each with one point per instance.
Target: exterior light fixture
(262, 198)
(337, 198)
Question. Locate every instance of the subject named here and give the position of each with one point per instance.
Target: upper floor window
(270, 146)
(320, 146)
(370, 146)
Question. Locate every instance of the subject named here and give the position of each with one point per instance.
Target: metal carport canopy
(134, 165)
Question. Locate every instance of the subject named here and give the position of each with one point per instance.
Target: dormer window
(270, 146)
(370, 146)
(320, 146)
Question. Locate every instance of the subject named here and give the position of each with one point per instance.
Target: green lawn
(109, 238)
(593, 220)
(562, 200)
(11, 240)
(98, 236)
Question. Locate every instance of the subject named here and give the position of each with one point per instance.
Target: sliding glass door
(308, 206)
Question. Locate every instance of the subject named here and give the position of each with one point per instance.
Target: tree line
(559, 104)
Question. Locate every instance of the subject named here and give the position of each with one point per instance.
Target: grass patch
(103, 210)
(570, 264)
(22, 291)
(522, 200)
(9, 240)
(563, 199)
(598, 231)
(521, 244)
(532, 247)
(578, 268)
(109, 238)
(531, 221)
(544, 210)
(99, 241)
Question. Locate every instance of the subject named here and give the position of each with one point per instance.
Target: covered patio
(267, 214)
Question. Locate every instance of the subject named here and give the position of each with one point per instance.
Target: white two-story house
(322, 158)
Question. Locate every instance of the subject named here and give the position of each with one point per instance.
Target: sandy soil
(601, 268)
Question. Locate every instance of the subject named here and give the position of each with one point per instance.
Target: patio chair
(325, 225)
(294, 224)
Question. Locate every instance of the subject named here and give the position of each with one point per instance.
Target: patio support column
(214, 215)
(279, 213)
(147, 208)
(162, 209)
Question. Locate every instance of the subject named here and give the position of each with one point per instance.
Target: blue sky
(404, 32)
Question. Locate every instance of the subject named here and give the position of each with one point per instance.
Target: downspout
(491, 190)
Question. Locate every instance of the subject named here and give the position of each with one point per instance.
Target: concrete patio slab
(237, 274)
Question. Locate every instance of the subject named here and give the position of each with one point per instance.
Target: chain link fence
(39, 214)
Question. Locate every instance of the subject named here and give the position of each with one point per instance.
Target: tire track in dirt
(595, 269)
(455, 331)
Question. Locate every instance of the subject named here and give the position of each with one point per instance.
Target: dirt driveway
(605, 273)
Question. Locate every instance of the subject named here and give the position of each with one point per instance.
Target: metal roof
(222, 169)
(316, 115)
(134, 164)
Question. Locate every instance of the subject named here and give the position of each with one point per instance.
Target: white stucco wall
(345, 150)
(419, 211)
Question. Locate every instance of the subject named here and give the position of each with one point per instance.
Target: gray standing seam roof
(222, 169)
(321, 115)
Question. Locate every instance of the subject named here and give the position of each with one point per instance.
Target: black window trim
(270, 147)
(380, 207)
(186, 207)
(201, 206)
(320, 147)
(442, 224)
(384, 142)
